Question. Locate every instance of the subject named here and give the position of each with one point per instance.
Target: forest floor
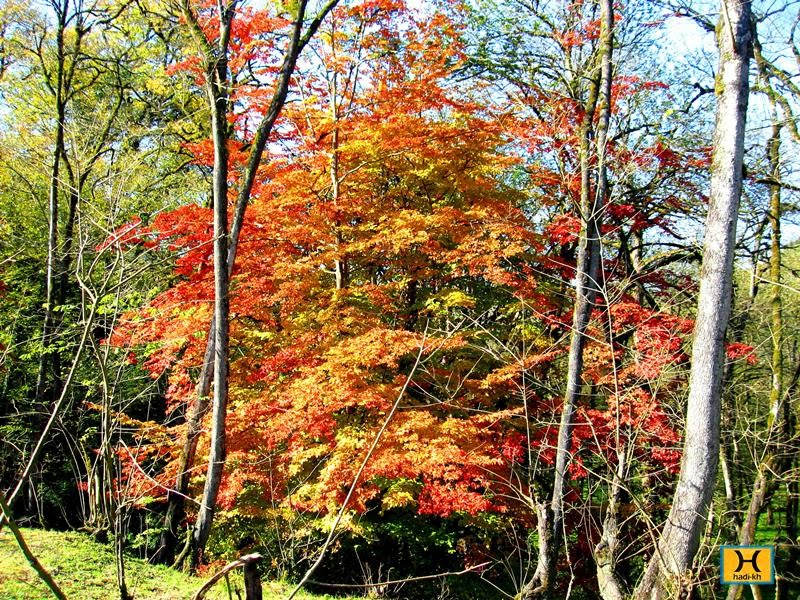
(84, 569)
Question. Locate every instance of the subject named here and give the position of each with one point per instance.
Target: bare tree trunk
(668, 570)
(605, 553)
(218, 97)
(68, 14)
(47, 361)
(776, 396)
(340, 262)
(119, 550)
(587, 272)
(541, 582)
(176, 497)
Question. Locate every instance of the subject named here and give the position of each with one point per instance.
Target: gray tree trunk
(605, 553)
(587, 271)
(668, 571)
(219, 99)
(224, 259)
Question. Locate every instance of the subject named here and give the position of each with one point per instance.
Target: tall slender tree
(592, 136)
(215, 56)
(69, 18)
(668, 570)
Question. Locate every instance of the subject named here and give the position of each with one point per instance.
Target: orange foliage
(424, 237)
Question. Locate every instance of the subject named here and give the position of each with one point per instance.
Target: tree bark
(49, 362)
(226, 260)
(605, 553)
(218, 91)
(587, 271)
(668, 571)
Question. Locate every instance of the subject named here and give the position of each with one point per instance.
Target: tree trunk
(176, 497)
(540, 584)
(587, 271)
(218, 97)
(340, 262)
(49, 362)
(605, 553)
(668, 570)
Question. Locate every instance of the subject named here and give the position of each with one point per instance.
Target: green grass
(84, 570)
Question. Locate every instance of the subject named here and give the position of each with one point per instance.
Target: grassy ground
(84, 570)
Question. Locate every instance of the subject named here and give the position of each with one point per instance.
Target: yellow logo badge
(747, 565)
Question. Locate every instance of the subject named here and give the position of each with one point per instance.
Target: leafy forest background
(385, 291)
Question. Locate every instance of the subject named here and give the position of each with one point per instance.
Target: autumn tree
(398, 223)
(382, 216)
